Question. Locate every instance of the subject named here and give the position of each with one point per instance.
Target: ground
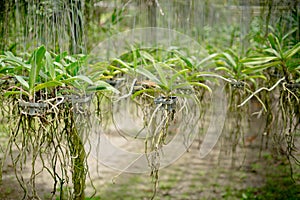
(252, 171)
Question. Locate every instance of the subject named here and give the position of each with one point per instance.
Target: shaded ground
(209, 178)
(220, 175)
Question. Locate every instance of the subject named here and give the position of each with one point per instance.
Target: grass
(279, 184)
(277, 188)
(131, 187)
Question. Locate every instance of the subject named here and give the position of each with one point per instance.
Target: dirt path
(217, 176)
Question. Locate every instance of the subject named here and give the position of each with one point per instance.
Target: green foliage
(276, 54)
(47, 71)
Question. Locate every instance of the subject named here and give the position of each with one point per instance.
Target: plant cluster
(45, 97)
(45, 101)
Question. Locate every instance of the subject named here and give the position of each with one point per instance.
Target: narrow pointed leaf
(50, 65)
(291, 52)
(36, 65)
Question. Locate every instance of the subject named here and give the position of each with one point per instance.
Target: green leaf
(137, 93)
(61, 56)
(79, 77)
(122, 63)
(260, 67)
(273, 52)
(256, 76)
(258, 60)
(271, 39)
(50, 65)
(146, 55)
(71, 59)
(9, 93)
(7, 69)
(73, 68)
(148, 74)
(175, 76)
(186, 60)
(124, 70)
(231, 63)
(161, 73)
(289, 33)
(36, 64)
(84, 78)
(297, 68)
(59, 65)
(48, 84)
(95, 88)
(102, 85)
(15, 60)
(207, 59)
(291, 52)
(201, 85)
(230, 72)
(189, 84)
(22, 81)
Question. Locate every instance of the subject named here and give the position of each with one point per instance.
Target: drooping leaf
(10, 57)
(274, 52)
(9, 93)
(148, 74)
(79, 77)
(122, 63)
(206, 59)
(189, 84)
(137, 93)
(260, 68)
(48, 84)
(102, 85)
(22, 81)
(230, 72)
(258, 60)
